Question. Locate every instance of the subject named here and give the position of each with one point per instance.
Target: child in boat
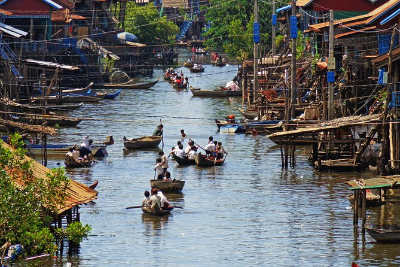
(210, 147)
(146, 200)
(220, 151)
(167, 177)
(159, 169)
(158, 131)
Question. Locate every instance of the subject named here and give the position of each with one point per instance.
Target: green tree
(232, 26)
(28, 207)
(146, 23)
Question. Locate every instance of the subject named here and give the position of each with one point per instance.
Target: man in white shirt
(192, 153)
(210, 147)
(164, 161)
(179, 152)
(189, 147)
(155, 200)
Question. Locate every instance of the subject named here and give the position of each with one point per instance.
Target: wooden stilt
(364, 208)
(355, 219)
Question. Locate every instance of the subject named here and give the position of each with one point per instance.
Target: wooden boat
(385, 233)
(196, 70)
(142, 142)
(231, 128)
(49, 119)
(155, 212)
(184, 161)
(55, 150)
(180, 86)
(218, 63)
(36, 108)
(188, 64)
(113, 95)
(99, 151)
(77, 90)
(128, 85)
(69, 98)
(174, 186)
(79, 163)
(373, 200)
(215, 93)
(249, 114)
(203, 161)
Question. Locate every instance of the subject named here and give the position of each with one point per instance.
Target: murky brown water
(246, 213)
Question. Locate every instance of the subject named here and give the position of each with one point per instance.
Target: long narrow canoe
(214, 93)
(384, 234)
(203, 161)
(174, 186)
(184, 161)
(249, 114)
(61, 149)
(127, 85)
(49, 119)
(113, 95)
(70, 98)
(142, 142)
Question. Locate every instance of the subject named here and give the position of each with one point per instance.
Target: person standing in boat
(155, 200)
(84, 149)
(164, 161)
(159, 169)
(146, 201)
(210, 147)
(158, 131)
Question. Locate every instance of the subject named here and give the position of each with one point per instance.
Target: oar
(197, 144)
(138, 207)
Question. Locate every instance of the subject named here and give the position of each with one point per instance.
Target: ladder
(184, 29)
(8, 55)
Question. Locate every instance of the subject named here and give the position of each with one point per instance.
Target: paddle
(138, 207)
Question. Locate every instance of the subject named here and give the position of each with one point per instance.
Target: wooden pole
(364, 208)
(273, 31)
(355, 211)
(331, 89)
(294, 69)
(385, 112)
(255, 87)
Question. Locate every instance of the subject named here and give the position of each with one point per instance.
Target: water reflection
(153, 225)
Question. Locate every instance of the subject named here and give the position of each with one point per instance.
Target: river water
(249, 212)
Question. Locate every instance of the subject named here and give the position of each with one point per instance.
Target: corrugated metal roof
(12, 31)
(52, 64)
(77, 193)
(374, 183)
(2, 11)
(354, 32)
(303, 3)
(379, 60)
(369, 18)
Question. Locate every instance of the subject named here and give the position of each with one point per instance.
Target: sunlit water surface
(249, 212)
